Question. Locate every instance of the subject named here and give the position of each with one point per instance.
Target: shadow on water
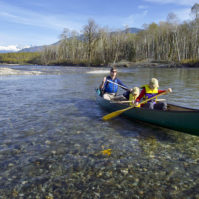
(125, 127)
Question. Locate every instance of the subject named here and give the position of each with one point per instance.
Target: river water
(52, 137)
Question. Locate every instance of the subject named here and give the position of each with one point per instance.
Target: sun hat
(154, 82)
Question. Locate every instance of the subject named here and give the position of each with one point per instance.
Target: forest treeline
(20, 58)
(169, 41)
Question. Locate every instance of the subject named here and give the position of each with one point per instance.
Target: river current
(52, 137)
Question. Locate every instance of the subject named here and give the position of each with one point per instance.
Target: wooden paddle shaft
(121, 102)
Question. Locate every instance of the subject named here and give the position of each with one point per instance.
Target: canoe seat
(161, 100)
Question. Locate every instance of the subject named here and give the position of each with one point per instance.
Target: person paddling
(150, 90)
(109, 85)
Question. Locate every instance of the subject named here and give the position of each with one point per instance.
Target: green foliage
(190, 61)
(21, 58)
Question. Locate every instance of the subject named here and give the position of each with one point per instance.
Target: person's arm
(161, 91)
(120, 83)
(102, 84)
(143, 92)
(126, 94)
(169, 90)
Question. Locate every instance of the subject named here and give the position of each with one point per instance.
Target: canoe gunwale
(183, 109)
(184, 120)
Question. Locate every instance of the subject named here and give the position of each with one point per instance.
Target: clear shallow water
(52, 135)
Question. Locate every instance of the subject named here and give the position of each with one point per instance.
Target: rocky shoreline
(126, 64)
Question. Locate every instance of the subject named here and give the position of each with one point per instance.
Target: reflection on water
(52, 135)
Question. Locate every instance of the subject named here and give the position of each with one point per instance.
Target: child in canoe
(151, 90)
(131, 95)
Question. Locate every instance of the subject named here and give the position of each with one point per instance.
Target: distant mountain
(32, 49)
(41, 48)
(132, 30)
(37, 48)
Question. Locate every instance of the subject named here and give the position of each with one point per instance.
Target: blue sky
(40, 22)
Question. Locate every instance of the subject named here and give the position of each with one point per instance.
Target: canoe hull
(186, 120)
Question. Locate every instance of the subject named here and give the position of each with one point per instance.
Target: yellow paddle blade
(115, 114)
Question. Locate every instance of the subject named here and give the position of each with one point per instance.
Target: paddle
(123, 102)
(118, 85)
(117, 113)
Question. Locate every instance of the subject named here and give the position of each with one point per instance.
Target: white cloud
(9, 48)
(177, 2)
(13, 48)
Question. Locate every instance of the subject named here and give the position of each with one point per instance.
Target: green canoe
(176, 117)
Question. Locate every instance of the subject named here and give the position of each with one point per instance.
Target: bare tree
(90, 37)
(195, 10)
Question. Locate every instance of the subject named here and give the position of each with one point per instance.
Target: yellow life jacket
(150, 93)
(132, 98)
